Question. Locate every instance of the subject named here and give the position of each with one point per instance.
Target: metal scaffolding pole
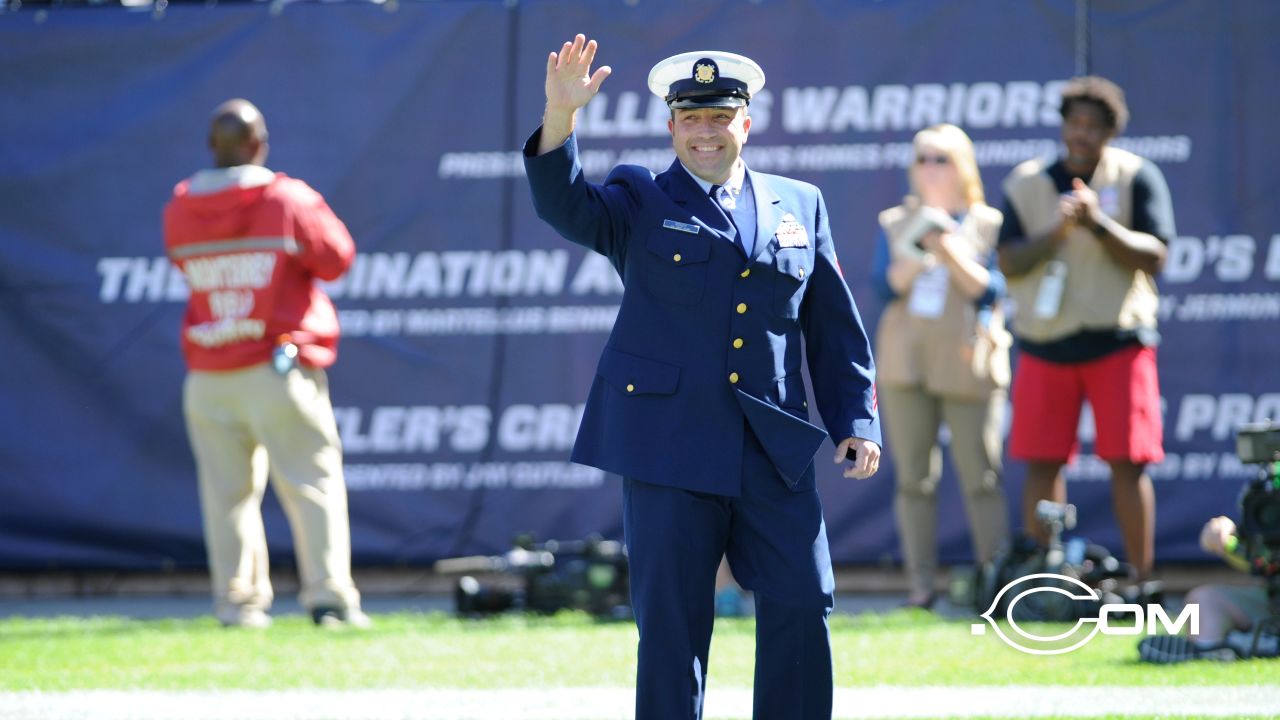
(1083, 52)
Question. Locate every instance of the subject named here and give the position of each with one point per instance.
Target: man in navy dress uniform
(698, 401)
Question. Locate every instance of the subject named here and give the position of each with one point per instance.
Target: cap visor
(707, 102)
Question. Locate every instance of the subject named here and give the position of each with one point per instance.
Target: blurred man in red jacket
(257, 336)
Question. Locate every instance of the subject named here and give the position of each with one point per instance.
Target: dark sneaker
(332, 617)
(1166, 649)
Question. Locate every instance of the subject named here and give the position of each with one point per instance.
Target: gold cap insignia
(704, 73)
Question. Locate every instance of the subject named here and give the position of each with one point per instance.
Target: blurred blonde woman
(942, 352)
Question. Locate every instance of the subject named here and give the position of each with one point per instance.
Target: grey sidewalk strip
(1020, 701)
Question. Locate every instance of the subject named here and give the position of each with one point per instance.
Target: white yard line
(1021, 701)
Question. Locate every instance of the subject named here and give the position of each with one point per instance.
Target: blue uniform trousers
(776, 543)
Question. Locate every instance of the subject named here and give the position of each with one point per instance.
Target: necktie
(723, 199)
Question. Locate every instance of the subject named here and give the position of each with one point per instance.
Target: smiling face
(709, 140)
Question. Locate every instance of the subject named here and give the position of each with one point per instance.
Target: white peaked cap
(705, 76)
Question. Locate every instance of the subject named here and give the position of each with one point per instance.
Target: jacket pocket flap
(796, 263)
(679, 248)
(635, 375)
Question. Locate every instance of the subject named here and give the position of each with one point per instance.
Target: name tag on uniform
(682, 227)
(791, 233)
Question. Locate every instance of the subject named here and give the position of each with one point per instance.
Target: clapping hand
(1088, 210)
(1069, 210)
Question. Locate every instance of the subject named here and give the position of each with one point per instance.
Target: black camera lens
(474, 598)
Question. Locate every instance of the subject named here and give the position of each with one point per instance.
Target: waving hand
(570, 85)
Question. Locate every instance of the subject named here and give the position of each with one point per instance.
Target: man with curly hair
(1083, 239)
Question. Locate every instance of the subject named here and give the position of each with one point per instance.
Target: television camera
(1257, 538)
(588, 575)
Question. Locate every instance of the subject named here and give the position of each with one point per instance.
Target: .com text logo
(1112, 619)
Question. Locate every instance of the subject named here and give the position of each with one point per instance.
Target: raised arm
(595, 216)
(570, 85)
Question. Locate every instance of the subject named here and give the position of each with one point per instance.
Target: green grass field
(408, 650)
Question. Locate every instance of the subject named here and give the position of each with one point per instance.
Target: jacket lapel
(768, 211)
(686, 193)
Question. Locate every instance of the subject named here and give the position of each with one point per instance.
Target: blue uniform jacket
(707, 337)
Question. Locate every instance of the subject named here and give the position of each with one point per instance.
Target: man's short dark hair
(1101, 92)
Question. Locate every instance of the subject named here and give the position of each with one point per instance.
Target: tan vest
(953, 354)
(1100, 293)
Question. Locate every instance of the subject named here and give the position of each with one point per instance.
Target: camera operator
(1228, 613)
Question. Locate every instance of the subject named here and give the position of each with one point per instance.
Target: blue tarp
(471, 329)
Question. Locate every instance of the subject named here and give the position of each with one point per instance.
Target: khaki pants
(242, 423)
(911, 419)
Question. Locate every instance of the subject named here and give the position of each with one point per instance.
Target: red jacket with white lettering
(251, 244)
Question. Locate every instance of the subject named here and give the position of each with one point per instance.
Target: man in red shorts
(1082, 241)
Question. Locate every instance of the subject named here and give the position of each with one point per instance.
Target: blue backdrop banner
(471, 330)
